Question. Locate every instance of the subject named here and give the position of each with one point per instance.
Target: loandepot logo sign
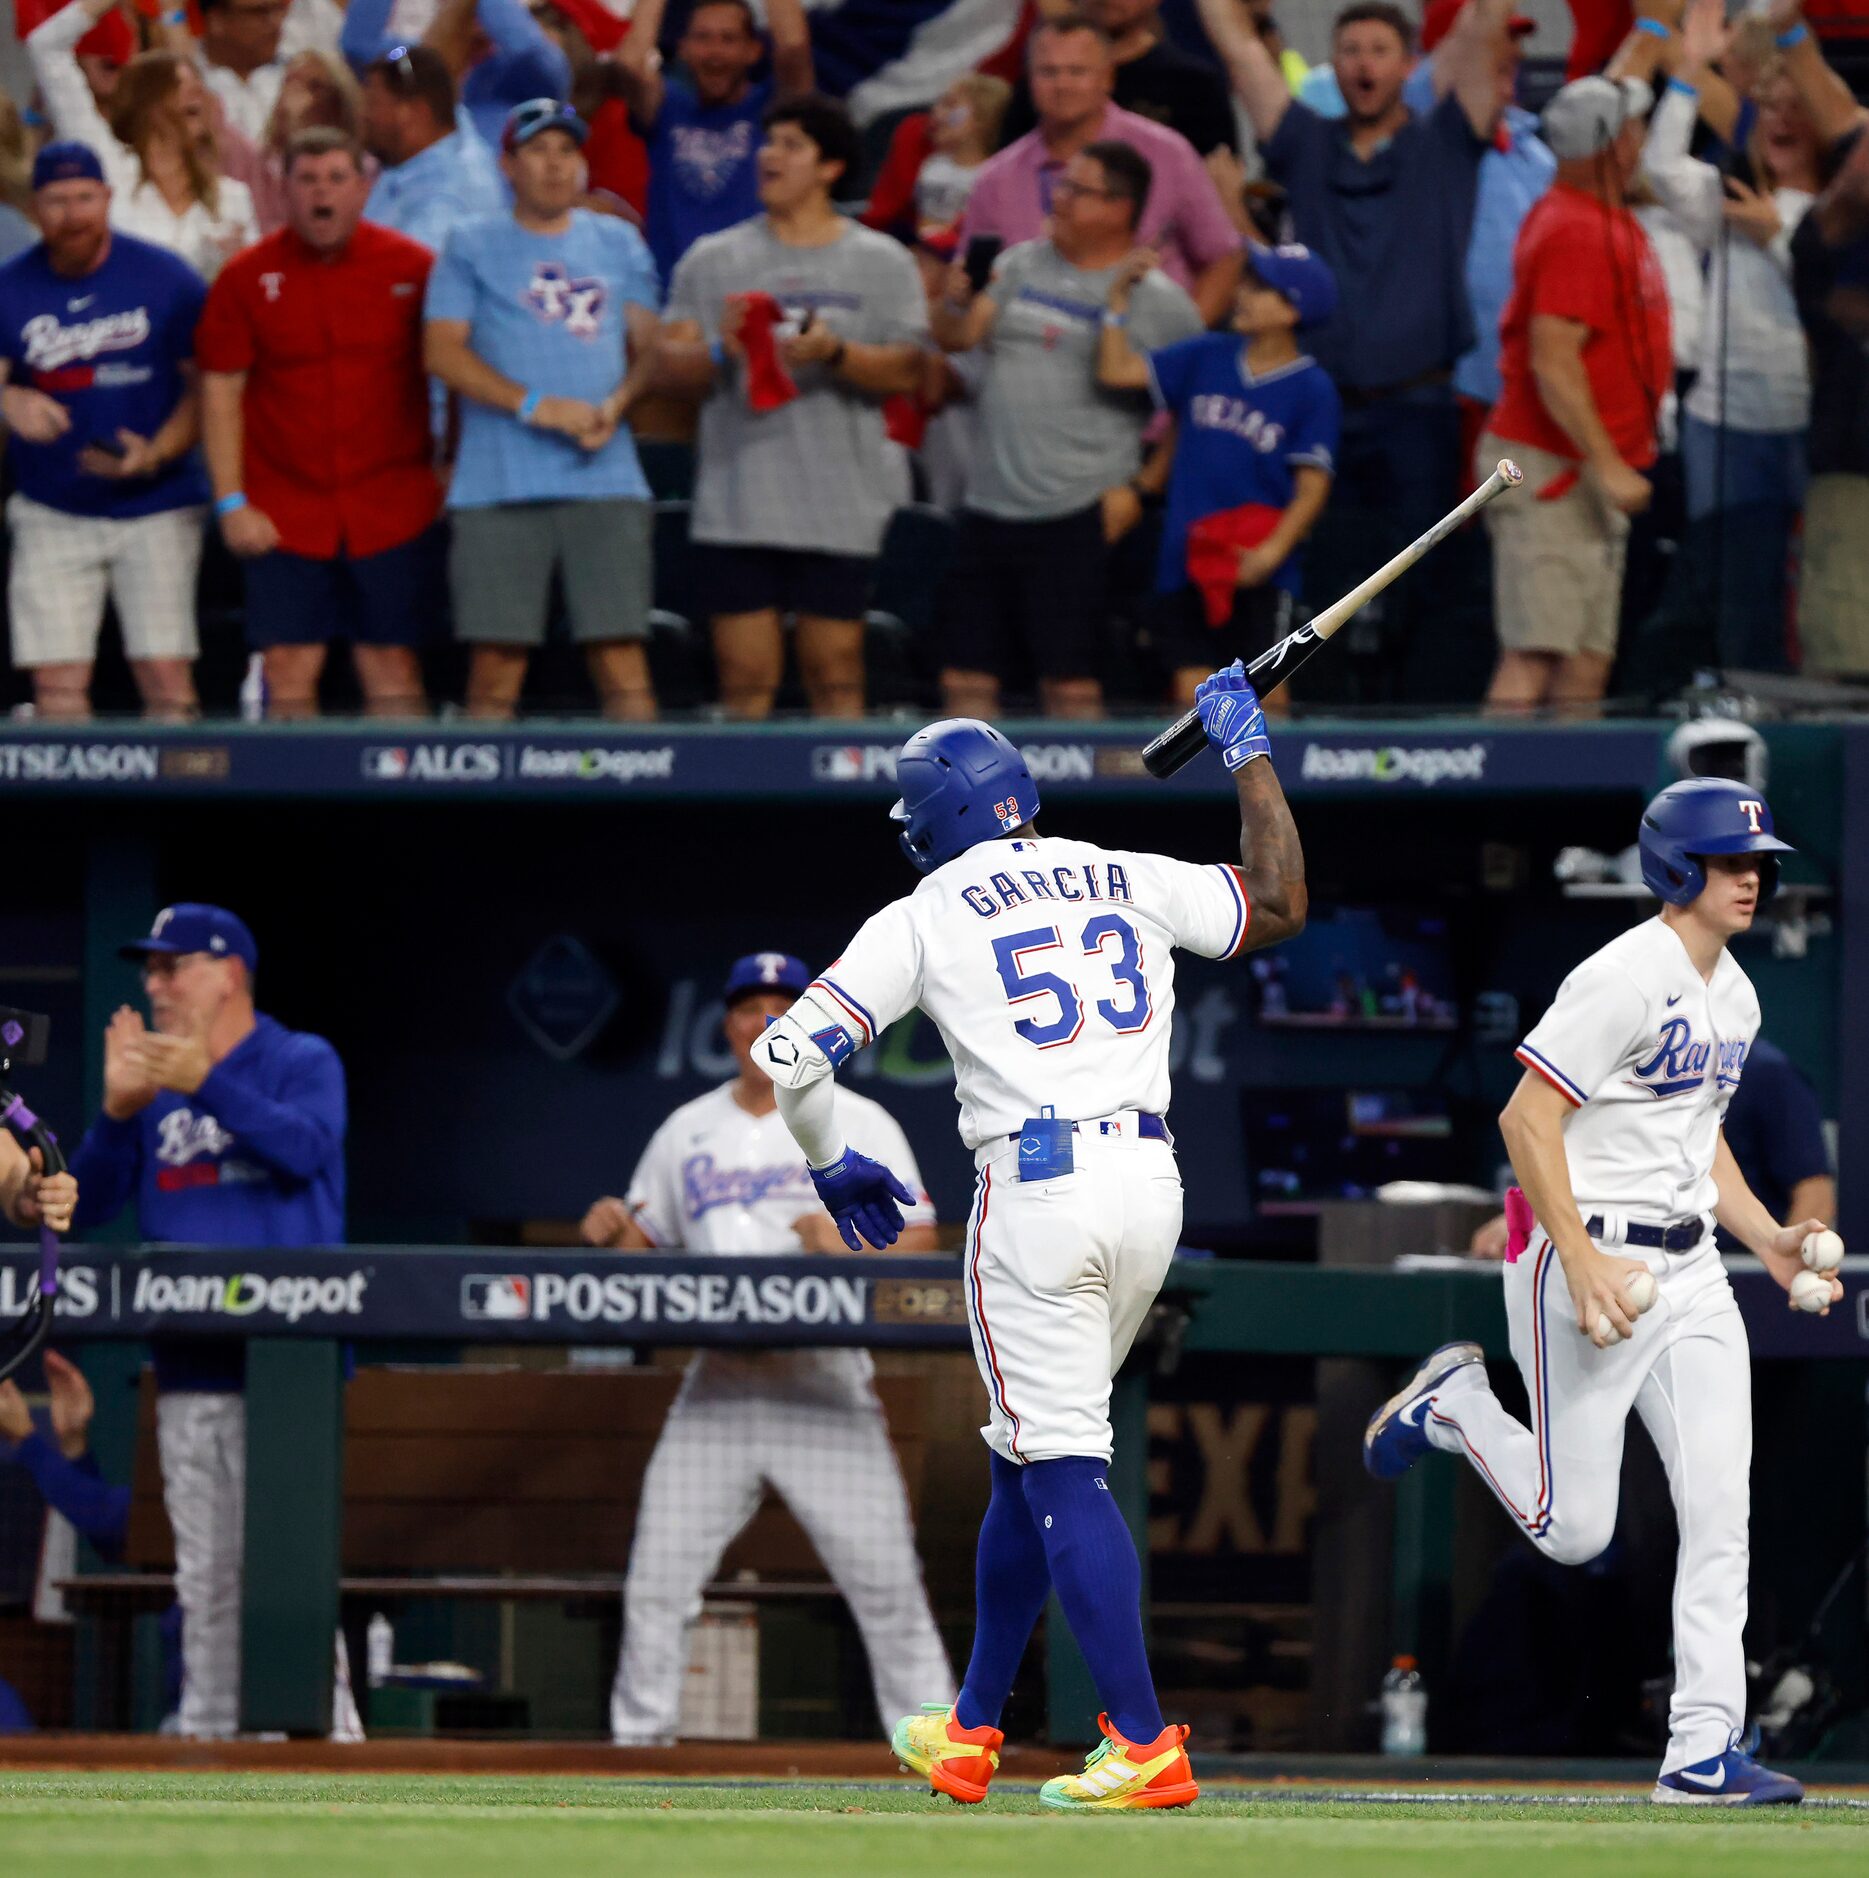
(248, 1294)
(1421, 765)
(664, 1298)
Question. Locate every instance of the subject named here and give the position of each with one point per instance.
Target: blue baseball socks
(1055, 1524)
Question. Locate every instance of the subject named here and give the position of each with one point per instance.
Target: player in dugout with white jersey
(1616, 1296)
(721, 1175)
(1048, 967)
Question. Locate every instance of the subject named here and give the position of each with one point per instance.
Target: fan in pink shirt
(1072, 70)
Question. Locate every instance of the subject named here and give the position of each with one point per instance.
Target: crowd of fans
(1132, 320)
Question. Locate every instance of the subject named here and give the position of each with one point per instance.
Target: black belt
(1148, 1128)
(1683, 1236)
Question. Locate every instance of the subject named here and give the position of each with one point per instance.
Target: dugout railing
(306, 1315)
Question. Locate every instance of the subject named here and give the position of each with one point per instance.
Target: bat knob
(1510, 473)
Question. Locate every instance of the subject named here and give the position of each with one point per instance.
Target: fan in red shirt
(1585, 358)
(315, 420)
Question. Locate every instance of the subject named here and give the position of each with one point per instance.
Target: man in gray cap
(1585, 359)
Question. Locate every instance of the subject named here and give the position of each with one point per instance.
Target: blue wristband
(1683, 87)
(231, 504)
(717, 354)
(1793, 36)
(1653, 28)
(528, 405)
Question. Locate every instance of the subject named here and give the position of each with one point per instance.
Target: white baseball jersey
(1650, 1053)
(715, 1178)
(1048, 968)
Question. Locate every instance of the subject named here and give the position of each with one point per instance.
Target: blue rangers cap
(766, 971)
(1297, 276)
(537, 115)
(192, 926)
(66, 162)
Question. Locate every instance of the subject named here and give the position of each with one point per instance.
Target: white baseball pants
(1687, 1372)
(832, 1464)
(1060, 1276)
(201, 1440)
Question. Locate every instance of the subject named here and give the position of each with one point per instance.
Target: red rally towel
(1520, 1223)
(1214, 545)
(768, 383)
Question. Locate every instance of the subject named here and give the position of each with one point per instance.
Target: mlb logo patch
(503, 1297)
(1008, 814)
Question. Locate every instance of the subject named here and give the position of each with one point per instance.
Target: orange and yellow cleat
(958, 1761)
(1122, 1774)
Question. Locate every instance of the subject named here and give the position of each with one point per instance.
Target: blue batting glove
(861, 1195)
(1230, 715)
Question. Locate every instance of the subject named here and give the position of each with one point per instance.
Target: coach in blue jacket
(224, 1128)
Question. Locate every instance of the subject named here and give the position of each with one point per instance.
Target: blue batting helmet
(1705, 815)
(962, 782)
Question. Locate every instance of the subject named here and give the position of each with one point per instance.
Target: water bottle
(253, 690)
(380, 1650)
(1404, 1706)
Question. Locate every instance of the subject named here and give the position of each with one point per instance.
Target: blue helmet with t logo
(1705, 815)
(962, 782)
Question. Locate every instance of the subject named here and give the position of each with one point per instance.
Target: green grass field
(281, 1826)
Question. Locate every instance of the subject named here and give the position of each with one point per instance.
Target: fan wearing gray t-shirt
(790, 502)
(1054, 484)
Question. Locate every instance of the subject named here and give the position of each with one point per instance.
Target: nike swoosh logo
(1673, 1001)
(1410, 1417)
(1706, 1780)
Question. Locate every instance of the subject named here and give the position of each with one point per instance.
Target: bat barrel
(1176, 747)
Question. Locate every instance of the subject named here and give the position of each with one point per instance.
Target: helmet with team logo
(962, 782)
(1705, 815)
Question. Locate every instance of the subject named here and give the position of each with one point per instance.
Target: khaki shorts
(1557, 562)
(64, 566)
(1833, 596)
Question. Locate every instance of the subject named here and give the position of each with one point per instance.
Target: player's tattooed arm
(1271, 858)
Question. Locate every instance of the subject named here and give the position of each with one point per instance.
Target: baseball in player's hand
(1596, 1291)
(128, 1085)
(604, 1223)
(1784, 1259)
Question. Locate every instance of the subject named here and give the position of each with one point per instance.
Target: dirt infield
(723, 1760)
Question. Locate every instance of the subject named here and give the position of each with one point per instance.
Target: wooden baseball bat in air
(1184, 739)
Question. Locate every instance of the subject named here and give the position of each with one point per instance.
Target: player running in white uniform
(722, 1175)
(1615, 1136)
(1048, 967)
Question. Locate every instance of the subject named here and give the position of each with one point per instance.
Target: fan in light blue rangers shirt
(1615, 1133)
(1256, 427)
(722, 1175)
(544, 322)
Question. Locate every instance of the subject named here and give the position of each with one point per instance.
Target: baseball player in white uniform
(722, 1175)
(1048, 966)
(1615, 1293)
